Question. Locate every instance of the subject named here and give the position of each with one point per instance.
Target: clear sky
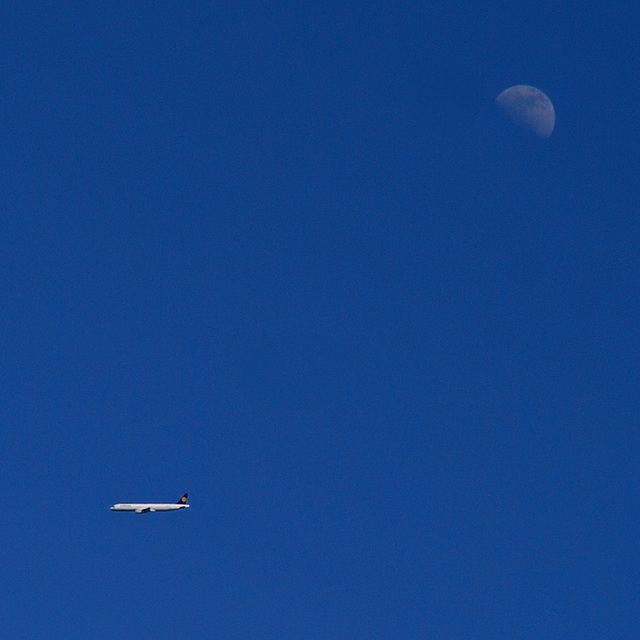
(290, 257)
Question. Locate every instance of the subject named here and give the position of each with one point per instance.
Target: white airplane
(146, 507)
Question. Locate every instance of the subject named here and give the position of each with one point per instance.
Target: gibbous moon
(528, 107)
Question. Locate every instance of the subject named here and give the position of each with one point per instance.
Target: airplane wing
(143, 510)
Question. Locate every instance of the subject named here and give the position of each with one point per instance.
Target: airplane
(147, 507)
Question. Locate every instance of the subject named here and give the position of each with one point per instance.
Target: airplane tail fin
(183, 500)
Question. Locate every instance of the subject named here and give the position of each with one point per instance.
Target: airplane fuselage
(146, 507)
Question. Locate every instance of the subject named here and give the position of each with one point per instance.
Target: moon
(529, 107)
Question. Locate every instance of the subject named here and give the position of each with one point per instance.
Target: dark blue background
(290, 258)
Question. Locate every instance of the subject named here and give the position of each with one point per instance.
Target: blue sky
(290, 258)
